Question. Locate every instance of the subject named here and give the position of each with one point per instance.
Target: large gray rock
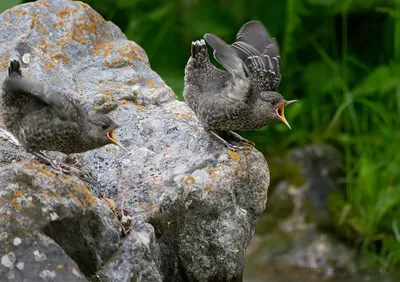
(192, 203)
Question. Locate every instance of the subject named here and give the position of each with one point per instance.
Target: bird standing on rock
(44, 119)
(244, 98)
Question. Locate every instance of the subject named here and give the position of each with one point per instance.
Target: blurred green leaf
(7, 4)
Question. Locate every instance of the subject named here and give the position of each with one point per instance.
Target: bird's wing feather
(260, 53)
(226, 55)
(236, 88)
(64, 107)
(255, 34)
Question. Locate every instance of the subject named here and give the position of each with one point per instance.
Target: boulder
(176, 206)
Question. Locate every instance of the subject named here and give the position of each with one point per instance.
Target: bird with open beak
(44, 119)
(244, 96)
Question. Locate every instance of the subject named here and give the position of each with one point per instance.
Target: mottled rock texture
(193, 204)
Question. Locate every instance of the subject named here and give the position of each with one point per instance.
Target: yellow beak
(281, 112)
(111, 136)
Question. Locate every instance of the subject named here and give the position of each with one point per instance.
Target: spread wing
(63, 106)
(260, 54)
(238, 86)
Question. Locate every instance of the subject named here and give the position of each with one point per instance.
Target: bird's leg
(242, 139)
(226, 143)
(54, 164)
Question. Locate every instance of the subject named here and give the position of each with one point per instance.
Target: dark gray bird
(44, 119)
(244, 96)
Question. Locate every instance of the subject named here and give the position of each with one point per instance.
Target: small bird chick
(244, 96)
(44, 119)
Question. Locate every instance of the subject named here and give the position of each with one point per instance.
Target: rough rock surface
(192, 203)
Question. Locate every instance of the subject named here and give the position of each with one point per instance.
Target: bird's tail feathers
(14, 68)
(199, 53)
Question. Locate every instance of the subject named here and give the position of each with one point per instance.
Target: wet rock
(191, 202)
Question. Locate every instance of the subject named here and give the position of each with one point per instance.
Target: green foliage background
(340, 59)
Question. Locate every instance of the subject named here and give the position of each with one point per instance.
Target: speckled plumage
(244, 96)
(43, 119)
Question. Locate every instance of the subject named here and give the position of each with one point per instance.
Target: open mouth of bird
(280, 111)
(111, 136)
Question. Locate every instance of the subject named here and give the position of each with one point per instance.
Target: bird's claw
(58, 166)
(236, 148)
(242, 139)
(231, 146)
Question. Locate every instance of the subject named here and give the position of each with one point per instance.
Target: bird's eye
(104, 126)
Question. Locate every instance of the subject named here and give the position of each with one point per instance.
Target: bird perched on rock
(244, 96)
(44, 119)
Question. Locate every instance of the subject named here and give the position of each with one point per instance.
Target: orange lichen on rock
(58, 24)
(61, 57)
(85, 197)
(36, 24)
(7, 20)
(44, 3)
(89, 197)
(189, 179)
(151, 82)
(123, 101)
(64, 13)
(103, 49)
(213, 172)
(84, 6)
(89, 26)
(183, 116)
(19, 12)
(110, 95)
(45, 172)
(140, 107)
(14, 202)
(131, 51)
(235, 156)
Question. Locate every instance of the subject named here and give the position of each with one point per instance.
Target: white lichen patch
(20, 265)
(17, 241)
(39, 256)
(26, 58)
(8, 260)
(53, 216)
(144, 238)
(47, 273)
(200, 176)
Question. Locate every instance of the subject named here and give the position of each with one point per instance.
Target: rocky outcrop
(188, 205)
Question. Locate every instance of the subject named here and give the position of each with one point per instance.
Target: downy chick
(44, 119)
(244, 96)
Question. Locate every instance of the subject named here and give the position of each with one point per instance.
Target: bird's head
(276, 105)
(102, 130)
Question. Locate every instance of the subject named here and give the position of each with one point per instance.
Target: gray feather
(226, 55)
(260, 53)
(255, 34)
(62, 106)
